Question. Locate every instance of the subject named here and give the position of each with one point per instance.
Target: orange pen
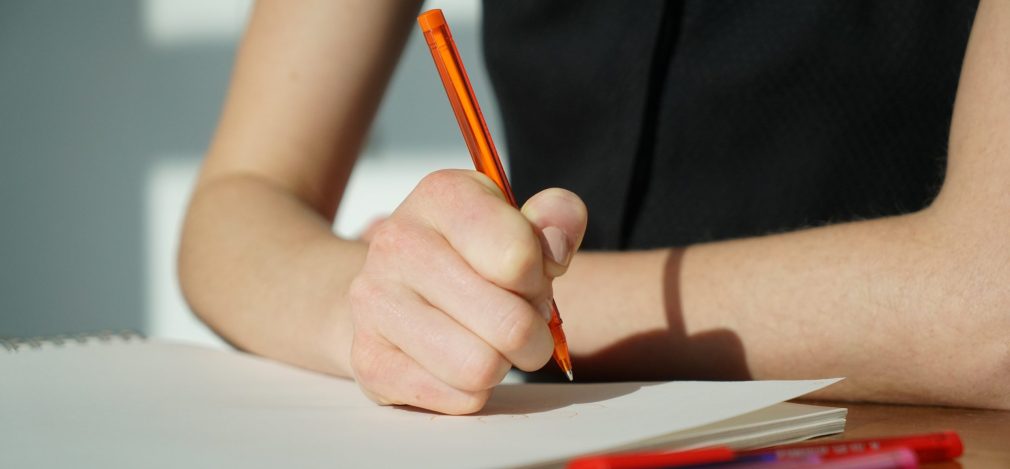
(477, 137)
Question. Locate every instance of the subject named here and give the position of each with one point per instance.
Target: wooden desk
(985, 433)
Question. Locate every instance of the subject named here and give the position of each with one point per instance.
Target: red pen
(931, 447)
(927, 448)
(899, 458)
(692, 457)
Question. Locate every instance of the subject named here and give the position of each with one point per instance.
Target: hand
(456, 290)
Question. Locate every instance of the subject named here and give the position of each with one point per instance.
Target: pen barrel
(464, 103)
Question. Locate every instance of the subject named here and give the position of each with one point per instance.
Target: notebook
(127, 402)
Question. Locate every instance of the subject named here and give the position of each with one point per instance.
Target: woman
(772, 193)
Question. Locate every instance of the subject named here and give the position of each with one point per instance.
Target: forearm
(258, 259)
(266, 272)
(907, 308)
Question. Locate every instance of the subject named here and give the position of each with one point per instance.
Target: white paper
(167, 405)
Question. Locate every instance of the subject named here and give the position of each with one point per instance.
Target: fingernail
(557, 245)
(546, 311)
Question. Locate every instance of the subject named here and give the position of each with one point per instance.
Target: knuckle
(518, 327)
(394, 236)
(362, 291)
(457, 189)
(374, 307)
(440, 182)
(520, 265)
(483, 369)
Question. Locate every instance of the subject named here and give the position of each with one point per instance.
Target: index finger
(492, 236)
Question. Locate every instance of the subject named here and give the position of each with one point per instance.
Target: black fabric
(702, 120)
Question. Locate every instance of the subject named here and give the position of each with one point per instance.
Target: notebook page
(167, 405)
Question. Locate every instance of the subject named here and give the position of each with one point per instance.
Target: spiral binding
(16, 344)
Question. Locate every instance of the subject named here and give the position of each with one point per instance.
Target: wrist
(336, 328)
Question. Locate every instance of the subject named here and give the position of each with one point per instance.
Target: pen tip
(571, 377)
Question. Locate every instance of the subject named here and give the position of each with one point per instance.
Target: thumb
(559, 219)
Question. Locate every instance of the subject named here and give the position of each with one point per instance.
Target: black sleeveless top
(690, 121)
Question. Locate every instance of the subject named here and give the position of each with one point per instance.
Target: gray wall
(86, 105)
